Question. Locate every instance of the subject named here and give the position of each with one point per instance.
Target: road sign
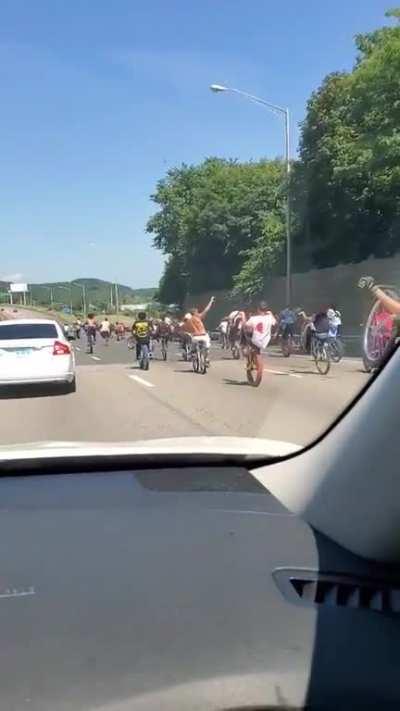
(18, 288)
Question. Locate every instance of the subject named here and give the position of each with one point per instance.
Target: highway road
(116, 401)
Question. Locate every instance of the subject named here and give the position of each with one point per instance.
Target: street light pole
(284, 112)
(288, 217)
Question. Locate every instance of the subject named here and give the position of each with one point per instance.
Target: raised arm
(205, 311)
(392, 305)
(388, 302)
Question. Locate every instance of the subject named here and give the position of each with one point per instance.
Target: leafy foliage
(211, 216)
(350, 150)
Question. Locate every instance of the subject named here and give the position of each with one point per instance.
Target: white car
(35, 351)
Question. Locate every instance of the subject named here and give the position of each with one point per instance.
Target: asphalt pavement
(116, 401)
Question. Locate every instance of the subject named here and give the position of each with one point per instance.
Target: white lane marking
(95, 357)
(251, 512)
(282, 372)
(15, 592)
(142, 381)
(77, 348)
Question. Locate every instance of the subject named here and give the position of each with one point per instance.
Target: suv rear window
(17, 331)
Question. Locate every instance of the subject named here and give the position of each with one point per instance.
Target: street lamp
(219, 88)
(81, 286)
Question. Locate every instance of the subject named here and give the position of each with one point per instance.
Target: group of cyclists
(289, 324)
(242, 331)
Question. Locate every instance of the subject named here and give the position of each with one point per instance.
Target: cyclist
(236, 320)
(258, 329)
(119, 331)
(105, 330)
(287, 322)
(141, 330)
(194, 326)
(223, 329)
(91, 328)
(318, 323)
(335, 320)
(185, 335)
(164, 331)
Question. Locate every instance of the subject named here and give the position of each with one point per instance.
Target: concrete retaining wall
(315, 289)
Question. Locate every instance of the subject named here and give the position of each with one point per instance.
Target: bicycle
(336, 347)
(91, 340)
(235, 350)
(199, 358)
(286, 344)
(254, 371)
(378, 336)
(144, 360)
(164, 347)
(320, 351)
(106, 337)
(186, 350)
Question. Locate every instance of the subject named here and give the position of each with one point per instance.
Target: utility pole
(116, 299)
(112, 297)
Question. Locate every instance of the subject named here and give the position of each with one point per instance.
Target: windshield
(11, 332)
(205, 197)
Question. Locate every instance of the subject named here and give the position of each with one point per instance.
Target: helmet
(187, 316)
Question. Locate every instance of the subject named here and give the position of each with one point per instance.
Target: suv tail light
(60, 348)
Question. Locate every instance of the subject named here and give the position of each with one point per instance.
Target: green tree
(350, 155)
(209, 217)
(262, 259)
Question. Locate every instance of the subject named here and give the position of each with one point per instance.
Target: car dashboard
(184, 588)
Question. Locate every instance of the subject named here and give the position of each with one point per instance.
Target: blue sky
(99, 98)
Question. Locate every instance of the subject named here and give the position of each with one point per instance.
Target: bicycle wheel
(195, 360)
(144, 357)
(377, 336)
(254, 377)
(235, 351)
(322, 359)
(131, 343)
(336, 350)
(202, 361)
(286, 346)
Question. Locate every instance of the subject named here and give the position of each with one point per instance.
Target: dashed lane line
(95, 357)
(142, 381)
(282, 372)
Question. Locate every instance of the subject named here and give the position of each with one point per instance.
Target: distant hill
(99, 293)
